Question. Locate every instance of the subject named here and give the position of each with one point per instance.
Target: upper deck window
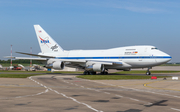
(154, 48)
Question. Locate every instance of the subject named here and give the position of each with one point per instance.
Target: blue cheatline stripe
(123, 57)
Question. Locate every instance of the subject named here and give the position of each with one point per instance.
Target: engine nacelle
(58, 65)
(95, 67)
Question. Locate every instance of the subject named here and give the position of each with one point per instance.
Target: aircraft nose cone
(164, 58)
(167, 58)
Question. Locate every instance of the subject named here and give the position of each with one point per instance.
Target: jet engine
(58, 65)
(95, 67)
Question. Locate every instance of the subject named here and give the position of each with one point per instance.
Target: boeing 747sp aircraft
(92, 61)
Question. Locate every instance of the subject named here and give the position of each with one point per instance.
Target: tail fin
(46, 43)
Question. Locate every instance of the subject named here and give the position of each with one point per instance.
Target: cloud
(137, 6)
(141, 9)
(141, 6)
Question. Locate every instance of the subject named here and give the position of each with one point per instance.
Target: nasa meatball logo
(45, 41)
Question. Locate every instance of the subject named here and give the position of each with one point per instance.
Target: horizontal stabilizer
(13, 57)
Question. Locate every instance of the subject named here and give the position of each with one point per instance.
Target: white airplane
(92, 61)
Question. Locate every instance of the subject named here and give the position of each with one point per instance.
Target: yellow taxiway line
(146, 85)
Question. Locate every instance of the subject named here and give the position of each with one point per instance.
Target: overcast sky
(91, 24)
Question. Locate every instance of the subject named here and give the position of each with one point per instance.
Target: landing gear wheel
(89, 73)
(104, 73)
(85, 73)
(148, 73)
(92, 73)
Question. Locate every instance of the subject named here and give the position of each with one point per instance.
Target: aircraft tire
(148, 73)
(104, 73)
(90, 73)
(85, 73)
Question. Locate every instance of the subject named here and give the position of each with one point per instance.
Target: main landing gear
(89, 72)
(148, 72)
(105, 72)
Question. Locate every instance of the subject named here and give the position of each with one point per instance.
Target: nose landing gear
(148, 72)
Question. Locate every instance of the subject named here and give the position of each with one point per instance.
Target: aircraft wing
(36, 55)
(81, 64)
(105, 62)
(27, 58)
(71, 60)
(93, 62)
(68, 62)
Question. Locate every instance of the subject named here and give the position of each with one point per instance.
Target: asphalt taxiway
(61, 93)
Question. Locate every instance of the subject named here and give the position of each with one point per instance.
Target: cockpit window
(154, 48)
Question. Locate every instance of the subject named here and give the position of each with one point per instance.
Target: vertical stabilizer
(46, 43)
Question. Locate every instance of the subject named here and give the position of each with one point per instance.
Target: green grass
(63, 72)
(170, 64)
(67, 72)
(23, 71)
(17, 75)
(143, 72)
(115, 77)
(80, 72)
(8, 74)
